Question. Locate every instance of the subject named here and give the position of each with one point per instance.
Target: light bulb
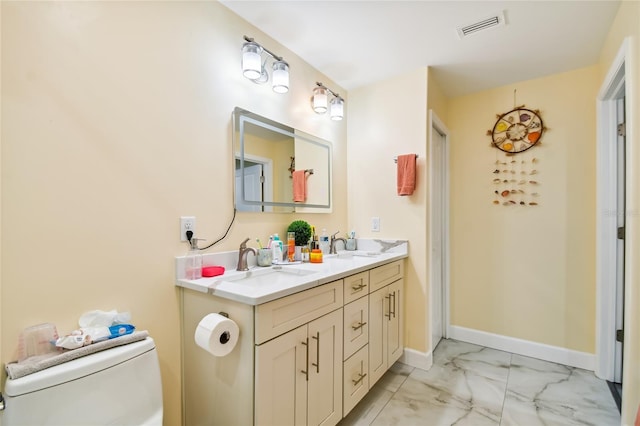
(336, 111)
(319, 100)
(251, 60)
(280, 77)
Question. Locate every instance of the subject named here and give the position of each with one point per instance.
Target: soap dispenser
(193, 264)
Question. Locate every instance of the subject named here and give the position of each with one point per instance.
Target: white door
(438, 233)
(621, 208)
(252, 188)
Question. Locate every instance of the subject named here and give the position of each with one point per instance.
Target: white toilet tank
(118, 386)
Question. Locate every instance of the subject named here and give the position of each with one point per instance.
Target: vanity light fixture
(255, 68)
(320, 102)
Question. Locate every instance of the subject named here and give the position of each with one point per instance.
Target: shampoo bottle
(193, 264)
(276, 247)
(324, 242)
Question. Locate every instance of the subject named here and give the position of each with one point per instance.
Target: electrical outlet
(187, 223)
(375, 224)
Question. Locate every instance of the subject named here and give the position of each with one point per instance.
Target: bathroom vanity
(313, 338)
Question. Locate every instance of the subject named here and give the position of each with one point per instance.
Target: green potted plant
(303, 234)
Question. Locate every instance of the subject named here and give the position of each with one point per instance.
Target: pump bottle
(193, 264)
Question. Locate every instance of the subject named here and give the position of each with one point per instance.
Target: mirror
(266, 155)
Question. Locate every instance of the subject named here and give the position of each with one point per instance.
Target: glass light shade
(319, 100)
(251, 60)
(336, 109)
(280, 77)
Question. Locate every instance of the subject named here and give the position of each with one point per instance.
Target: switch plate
(187, 223)
(375, 224)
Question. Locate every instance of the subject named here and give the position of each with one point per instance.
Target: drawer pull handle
(388, 314)
(359, 379)
(393, 304)
(359, 325)
(358, 287)
(317, 365)
(306, 372)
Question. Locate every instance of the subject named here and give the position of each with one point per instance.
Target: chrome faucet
(242, 255)
(332, 247)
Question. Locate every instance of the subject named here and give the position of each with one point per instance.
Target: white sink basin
(350, 254)
(275, 275)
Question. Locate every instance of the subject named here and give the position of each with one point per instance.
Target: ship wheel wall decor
(517, 130)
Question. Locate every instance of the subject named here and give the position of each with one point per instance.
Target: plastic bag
(103, 318)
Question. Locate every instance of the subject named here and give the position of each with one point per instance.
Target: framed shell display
(517, 130)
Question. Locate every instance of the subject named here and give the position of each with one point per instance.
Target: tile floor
(473, 385)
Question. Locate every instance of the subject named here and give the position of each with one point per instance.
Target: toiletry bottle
(291, 246)
(193, 264)
(324, 242)
(305, 251)
(276, 247)
(315, 256)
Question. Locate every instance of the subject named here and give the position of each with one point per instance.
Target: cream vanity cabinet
(304, 359)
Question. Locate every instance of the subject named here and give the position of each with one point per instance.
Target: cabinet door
(281, 384)
(325, 370)
(395, 322)
(378, 309)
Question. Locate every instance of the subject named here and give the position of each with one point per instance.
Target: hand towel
(406, 174)
(16, 370)
(299, 186)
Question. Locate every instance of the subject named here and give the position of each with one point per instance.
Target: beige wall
(116, 121)
(387, 119)
(526, 271)
(627, 24)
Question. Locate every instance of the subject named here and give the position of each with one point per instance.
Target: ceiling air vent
(493, 21)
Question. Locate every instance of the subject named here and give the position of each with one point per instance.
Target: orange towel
(406, 174)
(299, 186)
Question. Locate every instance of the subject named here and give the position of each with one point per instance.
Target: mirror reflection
(278, 168)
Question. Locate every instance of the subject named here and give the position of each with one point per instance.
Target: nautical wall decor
(516, 180)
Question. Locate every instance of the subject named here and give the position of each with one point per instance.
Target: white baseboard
(417, 359)
(528, 348)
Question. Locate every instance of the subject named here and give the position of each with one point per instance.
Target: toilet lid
(77, 368)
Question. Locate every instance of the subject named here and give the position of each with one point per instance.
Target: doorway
(612, 173)
(258, 183)
(438, 211)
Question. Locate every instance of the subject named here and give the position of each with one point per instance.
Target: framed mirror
(266, 156)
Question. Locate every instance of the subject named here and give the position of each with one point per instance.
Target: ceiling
(355, 43)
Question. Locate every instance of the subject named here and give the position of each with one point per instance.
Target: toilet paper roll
(217, 334)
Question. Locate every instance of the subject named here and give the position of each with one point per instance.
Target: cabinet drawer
(356, 286)
(356, 381)
(279, 316)
(356, 326)
(385, 274)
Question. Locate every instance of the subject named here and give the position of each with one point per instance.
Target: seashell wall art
(516, 180)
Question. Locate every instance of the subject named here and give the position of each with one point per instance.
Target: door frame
(617, 80)
(436, 124)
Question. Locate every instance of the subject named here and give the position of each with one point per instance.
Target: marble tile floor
(476, 386)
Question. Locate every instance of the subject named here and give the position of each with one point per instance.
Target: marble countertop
(263, 284)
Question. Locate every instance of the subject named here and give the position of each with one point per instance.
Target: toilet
(118, 386)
